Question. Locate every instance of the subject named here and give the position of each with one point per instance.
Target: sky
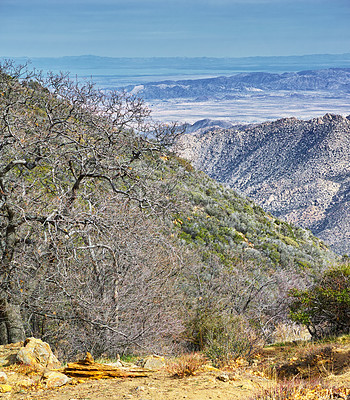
(173, 28)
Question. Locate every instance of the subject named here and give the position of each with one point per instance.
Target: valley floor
(251, 109)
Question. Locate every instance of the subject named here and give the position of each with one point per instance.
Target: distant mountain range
(297, 170)
(254, 83)
(113, 71)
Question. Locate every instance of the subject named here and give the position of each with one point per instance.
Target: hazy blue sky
(213, 28)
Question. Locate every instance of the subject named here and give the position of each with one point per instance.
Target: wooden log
(88, 369)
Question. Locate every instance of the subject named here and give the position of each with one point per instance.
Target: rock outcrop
(27, 364)
(32, 363)
(37, 354)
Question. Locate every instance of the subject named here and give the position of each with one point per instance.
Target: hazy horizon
(116, 72)
(167, 28)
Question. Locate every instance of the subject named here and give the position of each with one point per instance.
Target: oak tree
(77, 165)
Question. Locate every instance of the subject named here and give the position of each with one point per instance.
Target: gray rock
(3, 377)
(223, 377)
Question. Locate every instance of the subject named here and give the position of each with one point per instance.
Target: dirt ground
(159, 386)
(331, 362)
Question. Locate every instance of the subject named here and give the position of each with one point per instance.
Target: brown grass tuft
(186, 365)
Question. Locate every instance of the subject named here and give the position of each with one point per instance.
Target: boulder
(37, 354)
(35, 359)
(55, 379)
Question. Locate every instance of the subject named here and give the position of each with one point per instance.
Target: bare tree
(72, 159)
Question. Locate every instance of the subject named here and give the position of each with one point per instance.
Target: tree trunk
(11, 324)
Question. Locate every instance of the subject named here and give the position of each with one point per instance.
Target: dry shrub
(229, 338)
(186, 365)
(301, 390)
(315, 362)
(290, 332)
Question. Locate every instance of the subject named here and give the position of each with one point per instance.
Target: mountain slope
(219, 220)
(297, 170)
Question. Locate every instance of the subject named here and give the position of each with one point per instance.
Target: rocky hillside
(224, 87)
(297, 170)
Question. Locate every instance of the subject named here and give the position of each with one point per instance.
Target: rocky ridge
(297, 170)
(332, 80)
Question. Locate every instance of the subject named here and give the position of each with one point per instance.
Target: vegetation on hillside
(325, 307)
(111, 243)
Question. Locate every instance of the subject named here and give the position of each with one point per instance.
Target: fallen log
(89, 369)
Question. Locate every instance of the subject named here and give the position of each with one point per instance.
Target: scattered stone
(21, 381)
(223, 377)
(153, 363)
(233, 377)
(117, 363)
(37, 354)
(3, 377)
(5, 388)
(55, 379)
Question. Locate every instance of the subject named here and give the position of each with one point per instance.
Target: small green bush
(222, 337)
(324, 308)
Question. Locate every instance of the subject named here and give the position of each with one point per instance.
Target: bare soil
(245, 381)
(159, 386)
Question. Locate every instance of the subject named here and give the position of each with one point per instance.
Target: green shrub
(324, 308)
(222, 337)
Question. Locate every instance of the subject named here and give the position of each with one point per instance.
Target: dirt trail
(159, 386)
(325, 361)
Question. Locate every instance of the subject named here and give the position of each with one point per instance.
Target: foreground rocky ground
(302, 371)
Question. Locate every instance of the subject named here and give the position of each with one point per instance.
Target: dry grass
(186, 365)
(24, 369)
(302, 390)
(306, 371)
